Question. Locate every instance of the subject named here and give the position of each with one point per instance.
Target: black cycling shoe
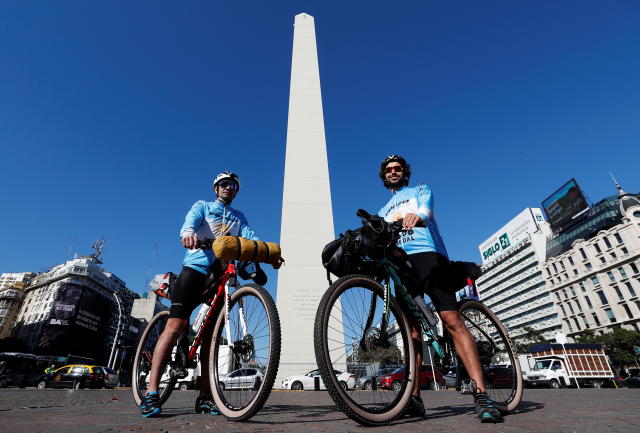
(485, 408)
(150, 405)
(205, 404)
(415, 407)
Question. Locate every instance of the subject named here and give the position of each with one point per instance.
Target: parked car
(632, 382)
(364, 382)
(451, 379)
(499, 376)
(111, 379)
(244, 378)
(73, 376)
(308, 381)
(394, 380)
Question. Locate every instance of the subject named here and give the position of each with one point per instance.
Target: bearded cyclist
(428, 255)
(205, 220)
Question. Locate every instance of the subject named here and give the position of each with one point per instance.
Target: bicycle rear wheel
(143, 359)
(245, 353)
(502, 373)
(349, 329)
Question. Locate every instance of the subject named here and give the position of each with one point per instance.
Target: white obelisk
(307, 218)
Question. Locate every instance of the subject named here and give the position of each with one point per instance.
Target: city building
(592, 270)
(512, 283)
(11, 297)
(149, 304)
(76, 308)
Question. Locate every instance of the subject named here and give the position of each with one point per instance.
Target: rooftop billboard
(511, 234)
(565, 204)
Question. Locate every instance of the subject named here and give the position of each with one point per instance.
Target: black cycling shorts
(186, 292)
(428, 267)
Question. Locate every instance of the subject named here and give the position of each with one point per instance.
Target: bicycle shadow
(299, 414)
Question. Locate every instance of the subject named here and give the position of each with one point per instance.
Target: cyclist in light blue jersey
(426, 251)
(205, 220)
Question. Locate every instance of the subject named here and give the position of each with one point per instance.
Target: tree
(617, 344)
(531, 337)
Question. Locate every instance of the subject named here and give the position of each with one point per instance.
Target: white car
(308, 381)
(244, 378)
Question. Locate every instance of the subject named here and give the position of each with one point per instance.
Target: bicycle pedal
(468, 386)
(179, 372)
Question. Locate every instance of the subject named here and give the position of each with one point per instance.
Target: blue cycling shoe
(150, 405)
(205, 404)
(486, 409)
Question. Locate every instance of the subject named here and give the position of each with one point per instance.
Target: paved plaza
(76, 411)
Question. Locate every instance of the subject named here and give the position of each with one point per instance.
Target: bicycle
(359, 320)
(246, 335)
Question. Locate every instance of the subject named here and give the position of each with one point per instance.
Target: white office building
(512, 283)
(593, 269)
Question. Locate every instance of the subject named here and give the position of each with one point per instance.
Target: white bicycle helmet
(227, 175)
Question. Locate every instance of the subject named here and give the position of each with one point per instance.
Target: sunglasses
(228, 184)
(396, 168)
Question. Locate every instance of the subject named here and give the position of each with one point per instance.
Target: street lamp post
(115, 338)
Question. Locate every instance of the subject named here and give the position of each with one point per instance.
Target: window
(584, 320)
(555, 268)
(571, 261)
(617, 289)
(581, 284)
(613, 256)
(606, 242)
(548, 272)
(578, 305)
(584, 256)
(564, 292)
(611, 277)
(624, 250)
(634, 268)
(571, 308)
(618, 238)
(603, 298)
(627, 310)
(561, 265)
(595, 281)
(595, 319)
(602, 259)
(575, 272)
(630, 289)
(610, 315)
(575, 321)
(597, 247)
(623, 274)
(564, 312)
(588, 266)
(558, 296)
(569, 326)
(573, 291)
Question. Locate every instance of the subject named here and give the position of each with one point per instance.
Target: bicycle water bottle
(202, 313)
(428, 314)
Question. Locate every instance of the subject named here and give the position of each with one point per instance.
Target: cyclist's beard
(397, 184)
(225, 201)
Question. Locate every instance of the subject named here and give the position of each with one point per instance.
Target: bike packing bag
(239, 248)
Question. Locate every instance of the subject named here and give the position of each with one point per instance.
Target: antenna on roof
(98, 246)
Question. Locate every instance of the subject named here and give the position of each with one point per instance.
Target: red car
(394, 380)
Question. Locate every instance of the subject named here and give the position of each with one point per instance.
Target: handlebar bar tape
(239, 248)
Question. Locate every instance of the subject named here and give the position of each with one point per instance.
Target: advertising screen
(564, 204)
(515, 231)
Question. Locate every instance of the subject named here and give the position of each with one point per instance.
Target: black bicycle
(360, 321)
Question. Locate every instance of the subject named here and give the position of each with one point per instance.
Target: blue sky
(115, 116)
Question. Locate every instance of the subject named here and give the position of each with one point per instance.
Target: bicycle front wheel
(245, 353)
(502, 372)
(351, 330)
(143, 360)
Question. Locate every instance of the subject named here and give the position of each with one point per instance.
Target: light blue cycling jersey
(417, 200)
(208, 220)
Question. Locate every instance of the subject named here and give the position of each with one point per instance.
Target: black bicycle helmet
(406, 169)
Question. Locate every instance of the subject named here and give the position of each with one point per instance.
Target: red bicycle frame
(216, 306)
